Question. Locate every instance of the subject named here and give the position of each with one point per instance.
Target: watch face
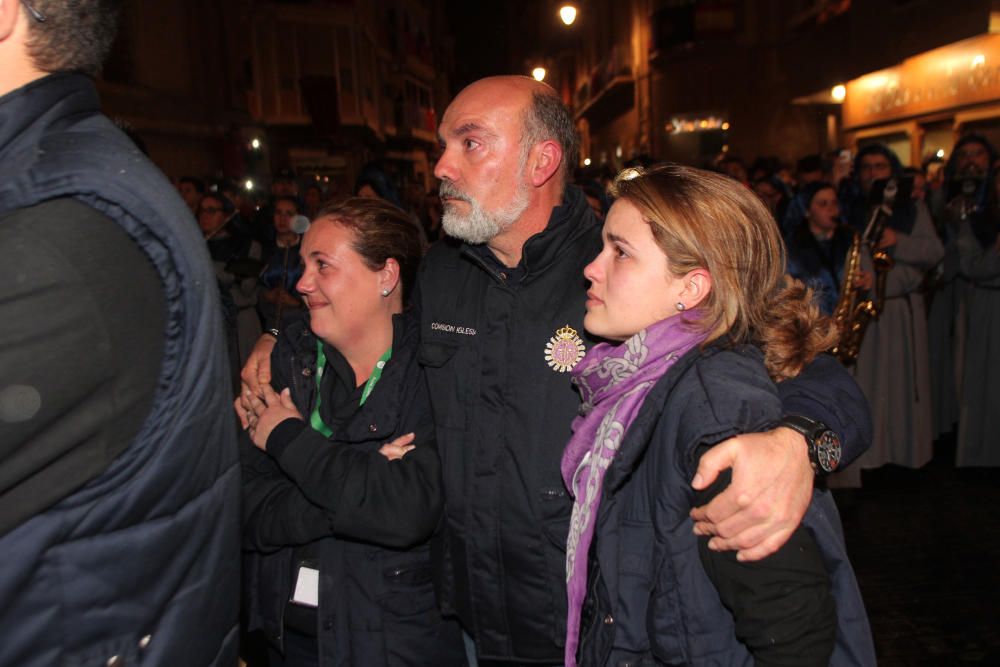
(828, 451)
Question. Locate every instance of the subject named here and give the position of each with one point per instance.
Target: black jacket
(142, 560)
(658, 595)
(503, 418)
(370, 518)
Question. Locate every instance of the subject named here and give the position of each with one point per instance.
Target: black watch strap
(822, 443)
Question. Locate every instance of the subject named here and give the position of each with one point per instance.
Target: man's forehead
(972, 148)
(485, 104)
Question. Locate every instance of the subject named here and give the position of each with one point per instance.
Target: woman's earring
(385, 292)
(680, 306)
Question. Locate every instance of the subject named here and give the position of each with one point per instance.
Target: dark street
(925, 545)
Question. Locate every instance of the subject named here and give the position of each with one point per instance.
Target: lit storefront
(920, 107)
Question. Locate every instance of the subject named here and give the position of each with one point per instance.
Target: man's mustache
(447, 189)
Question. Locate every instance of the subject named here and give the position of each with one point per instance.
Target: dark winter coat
(658, 596)
(370, 518)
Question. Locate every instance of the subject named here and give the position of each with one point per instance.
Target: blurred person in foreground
(501, 306)
(336, 520)
(689, 289)
(119, 492)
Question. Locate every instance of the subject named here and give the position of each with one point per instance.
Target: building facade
(690, 80)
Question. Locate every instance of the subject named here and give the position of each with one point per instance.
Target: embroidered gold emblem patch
(564, 350)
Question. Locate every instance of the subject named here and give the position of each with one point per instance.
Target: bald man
(501, 304)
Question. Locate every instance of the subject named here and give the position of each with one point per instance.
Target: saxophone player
(892, 367)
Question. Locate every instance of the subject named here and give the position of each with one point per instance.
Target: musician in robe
(978, 244)
(964, 195)
(892, 367)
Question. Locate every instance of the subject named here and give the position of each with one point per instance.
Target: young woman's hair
(701, 219)
(381, 231)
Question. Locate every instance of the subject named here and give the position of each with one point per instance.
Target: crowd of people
(507, 338)
(585, 428)
(924, 359)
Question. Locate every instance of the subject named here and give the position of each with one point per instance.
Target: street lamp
(568, 14)
(538, 73)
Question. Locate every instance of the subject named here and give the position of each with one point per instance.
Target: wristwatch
(822, 443)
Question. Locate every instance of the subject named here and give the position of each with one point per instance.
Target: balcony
(608, 92)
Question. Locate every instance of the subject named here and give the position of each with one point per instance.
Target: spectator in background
(279, 303)
(191, 190)
(764, 167)
(238, 197)
(732, 166)
(312, 200)
(809, 169)
(374, 183)
(285, 183)
(597, 198)
(237, 261)
(818, 245)
(775, 195)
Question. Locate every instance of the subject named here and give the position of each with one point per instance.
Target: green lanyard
(314, 419)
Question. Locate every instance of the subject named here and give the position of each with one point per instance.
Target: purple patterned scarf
(613, 382)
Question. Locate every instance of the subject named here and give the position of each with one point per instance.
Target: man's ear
(10, 13)
(544, 161)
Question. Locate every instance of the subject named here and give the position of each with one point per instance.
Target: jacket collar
(569, 221)
(28, 112)
(640, 431)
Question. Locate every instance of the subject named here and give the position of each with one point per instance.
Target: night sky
(481, 46)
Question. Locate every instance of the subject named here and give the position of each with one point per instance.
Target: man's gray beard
(479, 225)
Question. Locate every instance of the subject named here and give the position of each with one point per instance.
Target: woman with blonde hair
(690, 289)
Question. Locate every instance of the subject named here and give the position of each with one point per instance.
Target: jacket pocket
(446, 381)
(407, 589)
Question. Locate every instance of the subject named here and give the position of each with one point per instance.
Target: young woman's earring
(385, 292)
(680, 306)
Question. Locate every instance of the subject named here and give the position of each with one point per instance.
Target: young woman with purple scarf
(690, 286)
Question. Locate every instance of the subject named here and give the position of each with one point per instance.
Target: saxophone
(853, 313)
